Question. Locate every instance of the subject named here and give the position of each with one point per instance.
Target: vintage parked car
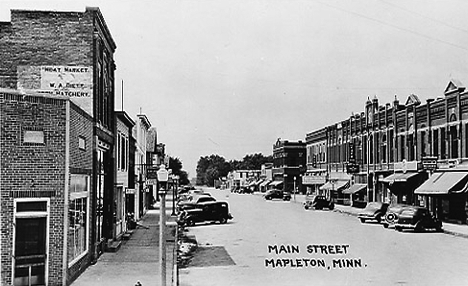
(373, 211)
(194, 200)
(318, 202)
(277, 194)
(205, 212)
(391, 216)
(417, 219)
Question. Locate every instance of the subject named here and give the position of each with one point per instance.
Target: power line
(394, 26)
(424, 16)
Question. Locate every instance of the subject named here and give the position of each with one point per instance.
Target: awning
(276, 183)
(355, 188)
(251, 184)
(444, 183)
(266, 182)
(334, 187)
(399, 177)
(258, 182)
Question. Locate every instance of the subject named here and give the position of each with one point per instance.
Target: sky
(230, 77)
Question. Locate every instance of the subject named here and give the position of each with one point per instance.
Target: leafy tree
(176, 166)
(214, 167)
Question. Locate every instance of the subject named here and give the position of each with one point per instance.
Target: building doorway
(30, 250)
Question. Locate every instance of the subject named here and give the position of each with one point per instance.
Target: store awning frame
(265, 183)
(443, 183)
(335, 186)
(355, 189)
(399, 177)
(276, 183)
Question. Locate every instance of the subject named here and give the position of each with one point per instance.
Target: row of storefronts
(72, 169)
(409, 153)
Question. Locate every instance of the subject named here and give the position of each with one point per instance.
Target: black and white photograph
(233, 142)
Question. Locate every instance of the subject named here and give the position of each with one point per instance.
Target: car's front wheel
(223, 220)
(362, 220)
(378, 219)
(190, 222)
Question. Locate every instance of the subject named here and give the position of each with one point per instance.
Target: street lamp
(175, 190)
(163, 177)
(294, 182)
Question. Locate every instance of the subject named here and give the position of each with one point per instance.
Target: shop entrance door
(30, 251)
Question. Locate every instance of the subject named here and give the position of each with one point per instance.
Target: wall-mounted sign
(75, 82)
(72, 81)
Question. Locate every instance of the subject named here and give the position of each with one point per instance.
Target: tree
(176, 166)
(214, 167)
(210, 168)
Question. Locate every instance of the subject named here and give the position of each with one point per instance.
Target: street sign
(152, 173)
(429, 163)
(352, 168)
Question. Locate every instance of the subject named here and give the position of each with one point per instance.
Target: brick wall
(32, 170)
(81, 160)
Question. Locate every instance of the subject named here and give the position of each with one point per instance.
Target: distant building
(124, 196)
(401, 152)
(142, 190)
(289, 165)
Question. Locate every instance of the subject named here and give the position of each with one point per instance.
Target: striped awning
(355, 188)
(338, 185)
(399, 177)
(444, 183)
(276, 183)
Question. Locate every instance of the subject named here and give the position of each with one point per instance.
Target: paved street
(343, 251)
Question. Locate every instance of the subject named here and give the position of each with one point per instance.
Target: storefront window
(78, 217)
(77, 237)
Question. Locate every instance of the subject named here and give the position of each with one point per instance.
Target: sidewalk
(449, 228)
(138, 257)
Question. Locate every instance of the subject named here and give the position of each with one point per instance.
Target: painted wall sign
(72, 81)
(75, 82)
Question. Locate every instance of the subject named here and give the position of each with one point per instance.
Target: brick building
(46, 178)
(289, 165)
(411, 153)
(70, 54)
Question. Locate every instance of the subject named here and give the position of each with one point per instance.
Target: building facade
(289, 165)
(46, 181)
(394, 153)
(70, 54)
(123, 194)
(142, 191)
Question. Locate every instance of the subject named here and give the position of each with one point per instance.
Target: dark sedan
(318, 202)
(277, 194)
(417, 219)
(374, 211)
(206, 212)
(391, 216)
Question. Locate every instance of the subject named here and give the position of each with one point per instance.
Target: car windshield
(408, 212)
(206, 199)
(373, 206)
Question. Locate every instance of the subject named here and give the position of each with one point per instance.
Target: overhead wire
(393, 26)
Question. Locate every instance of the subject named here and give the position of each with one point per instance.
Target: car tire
(331, 207)
(190, 222)
(397, 228)
(378, 219)
(362, 220)
(385, 225)
(306, 207)
(223, 220)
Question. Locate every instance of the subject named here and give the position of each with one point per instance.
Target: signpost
(163, 177)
